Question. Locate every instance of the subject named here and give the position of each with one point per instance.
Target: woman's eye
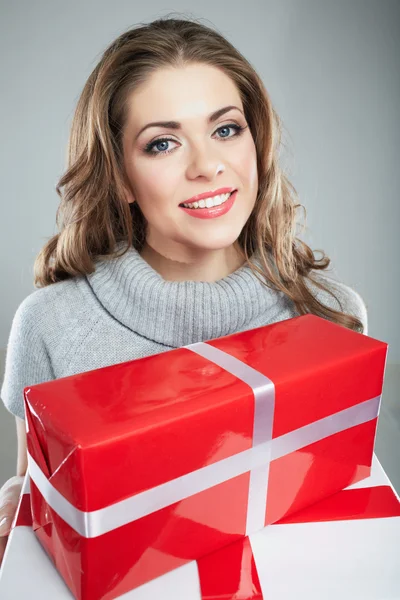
(226, 128)
(160, 146)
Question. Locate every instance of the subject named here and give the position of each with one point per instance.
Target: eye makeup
(149, 148)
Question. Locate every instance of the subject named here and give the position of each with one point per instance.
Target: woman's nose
(204, 163)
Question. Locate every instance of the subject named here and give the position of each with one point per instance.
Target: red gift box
(140, 467)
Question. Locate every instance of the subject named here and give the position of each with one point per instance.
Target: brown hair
(95, 214)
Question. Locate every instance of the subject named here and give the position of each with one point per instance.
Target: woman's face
(199, 156)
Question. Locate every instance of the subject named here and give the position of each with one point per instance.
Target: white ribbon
(264, 406)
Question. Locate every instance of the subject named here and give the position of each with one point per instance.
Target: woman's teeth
(209, 202)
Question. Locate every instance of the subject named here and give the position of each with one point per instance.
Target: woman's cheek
(149, 179)
(248, 166)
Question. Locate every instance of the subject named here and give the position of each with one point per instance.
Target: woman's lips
(214, 211)
(204, 195)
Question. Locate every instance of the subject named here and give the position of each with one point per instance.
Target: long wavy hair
(94, 217)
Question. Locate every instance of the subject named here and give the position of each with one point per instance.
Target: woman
(142, 264)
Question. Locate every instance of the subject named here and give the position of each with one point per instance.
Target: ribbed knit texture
(126, 310)
(176, 313)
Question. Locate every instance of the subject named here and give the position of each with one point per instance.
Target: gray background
(332, 70)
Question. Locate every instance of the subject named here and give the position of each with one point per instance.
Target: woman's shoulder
(53, 311)
(40, 303)
(345, 298)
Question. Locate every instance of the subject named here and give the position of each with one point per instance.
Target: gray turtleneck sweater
(126, 310)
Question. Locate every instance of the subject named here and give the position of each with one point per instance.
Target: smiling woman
(176, 222)
(173, 111)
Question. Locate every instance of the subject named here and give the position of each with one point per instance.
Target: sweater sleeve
(27, 360)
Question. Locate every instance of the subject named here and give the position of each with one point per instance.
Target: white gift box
(328, 560)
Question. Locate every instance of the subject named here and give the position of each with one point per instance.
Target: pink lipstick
(214, 211)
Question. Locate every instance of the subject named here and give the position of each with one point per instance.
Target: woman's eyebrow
(175, 125)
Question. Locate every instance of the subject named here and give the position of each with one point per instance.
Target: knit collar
(177, 313)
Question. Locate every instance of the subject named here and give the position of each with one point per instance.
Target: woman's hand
(9, 498)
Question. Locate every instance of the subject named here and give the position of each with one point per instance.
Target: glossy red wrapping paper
(103, 436)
